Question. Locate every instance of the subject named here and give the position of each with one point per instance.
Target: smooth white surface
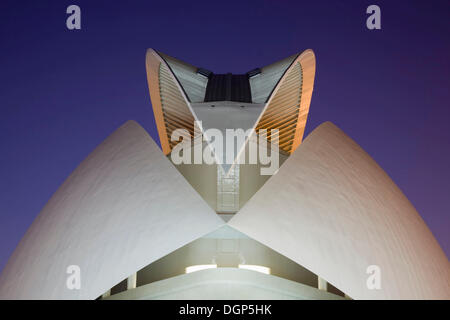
(333, 210)
(227, 115)
(124, 207)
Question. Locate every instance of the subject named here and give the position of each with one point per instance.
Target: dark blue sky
(62, 92)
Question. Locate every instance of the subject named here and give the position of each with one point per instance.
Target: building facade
(327, 223)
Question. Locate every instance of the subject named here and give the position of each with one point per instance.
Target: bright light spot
(200, 267)
(255, 268)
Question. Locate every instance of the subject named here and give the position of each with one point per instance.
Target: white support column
(322, 284)
(106, 294)
(131, 281)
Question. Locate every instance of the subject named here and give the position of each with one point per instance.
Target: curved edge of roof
(307, 61)
(277, 84)
(152, 62)
(174, 75)
(117, 212)
(299, 57)
(332, 209)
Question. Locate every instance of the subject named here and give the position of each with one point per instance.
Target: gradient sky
(63, 92)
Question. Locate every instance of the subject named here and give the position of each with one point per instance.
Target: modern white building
(129, 223)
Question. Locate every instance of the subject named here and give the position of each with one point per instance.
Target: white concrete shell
(124, 207)
(330, 208)
(334, 211)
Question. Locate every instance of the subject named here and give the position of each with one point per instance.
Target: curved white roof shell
(330, 208)
(333, 210)
(124, 207)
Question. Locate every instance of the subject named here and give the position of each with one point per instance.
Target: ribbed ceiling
(176, 112)
(283, 110)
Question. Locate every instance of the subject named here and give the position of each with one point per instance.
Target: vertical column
(322, 284)
(106, 294)
(228, 189)
(131, 281)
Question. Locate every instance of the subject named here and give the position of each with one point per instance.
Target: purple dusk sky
(63, 92)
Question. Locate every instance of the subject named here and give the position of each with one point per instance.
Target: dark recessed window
(228, 87)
